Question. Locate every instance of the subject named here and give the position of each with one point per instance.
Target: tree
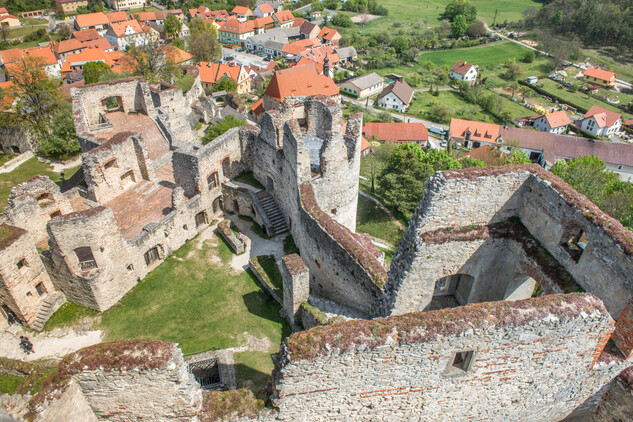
(400, 44)
(151, 63)
(203, 41)
(529, 56)
(64, 32)
(92, 71)
(517, 157)
(459, 26)
(513, 70)
(439, 113)
(342, 20)
(62, 143)
(459, 7)
(588, 175)
(37, 97)
(221, 127)
(225, 84)
(476, 30)
(172, 25)
(468, 162)
(513, 87)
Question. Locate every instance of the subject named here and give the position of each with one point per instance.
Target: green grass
(9, 383)
(269, 264)
(371, 219)
(388, 253)
(198, 303)
(24, 30)
(488, 55)
(185, 83)
(616, 60)
(290, 246)
(5, 157)
(253, 369)
(256, 228)
(579, 98)
(248, 178)
(460, 108)
(68, 314)
(21, 174)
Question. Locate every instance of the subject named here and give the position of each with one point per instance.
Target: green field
(202, 304)
(616, 61)
(487, 55)
(427, 13)
(371, 219)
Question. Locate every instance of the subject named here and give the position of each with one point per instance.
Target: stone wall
(411, 367)
(33, 203)
(15, 139)
(296, 281)
(617, 401)
(176, 107)
(116, 165)
(24, 282)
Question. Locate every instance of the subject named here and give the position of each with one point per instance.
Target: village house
(329, 36)
(98, 21)
(396, 96)
(69, 7)
(472, 134)
(66, 47)
(315, 14)
(264, 9)
(41, 56)
(363, 86)
(463, 71)
(74, 62)
(277, 6)
(556, 122)
(211, 73)
(284, 19)
(271, 42)
(125, 4)
(8, 20)
(601, 122)
(308, 30)
(151, 33)
(235, 32)
(294, 49)
(600, 77)
(397, 132)
(177, 55)
(127, 33)
(347, 55)
(156, 17)
(242, 13)
(86, 35)
(319, 54)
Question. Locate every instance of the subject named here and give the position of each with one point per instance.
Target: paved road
(160, 6)
(244, 58)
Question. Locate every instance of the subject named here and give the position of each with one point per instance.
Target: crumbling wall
(33, 203)
(116, 165)
(178, 112)
(616, 403)
(24, 283)
(15, 138)
(402, 367)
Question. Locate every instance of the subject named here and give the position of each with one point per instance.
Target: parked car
(443, 144)
(567, 85)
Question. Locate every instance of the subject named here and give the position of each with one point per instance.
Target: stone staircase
(49, 305)
(273, 213)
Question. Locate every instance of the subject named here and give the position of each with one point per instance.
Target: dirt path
(257, 245)
(53, 344)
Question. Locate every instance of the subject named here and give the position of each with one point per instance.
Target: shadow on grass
(260, 304)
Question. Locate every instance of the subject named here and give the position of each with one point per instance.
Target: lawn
(616, 60)
(24, 30)
(24, 172)
(195, 299)
(68, 314)
(427, 13)
(371, 219)
(5, 157)
(458, 107)
(486, 55)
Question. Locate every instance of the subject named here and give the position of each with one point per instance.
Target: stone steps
(45, 311)
(273, 214)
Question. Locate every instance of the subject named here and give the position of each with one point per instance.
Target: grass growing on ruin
(9, 383)
(196, 299)
(248, 178)
(67, 315)
(270, 267)
(21, 174)
(17, 377)
(371, 219)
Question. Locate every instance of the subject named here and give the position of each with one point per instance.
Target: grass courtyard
(194, 298)
(374, 221)
(22, 173)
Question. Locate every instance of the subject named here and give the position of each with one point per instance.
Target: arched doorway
(226, 167)
(218, 205)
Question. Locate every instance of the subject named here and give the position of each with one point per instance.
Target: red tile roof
(212, 72)
(146, 16)
(300, 81)
(67, 45)
(84, 56)
(604, 75)
(263, 22)
(479, 131)
(86, 35)
(91, 19)
(101, 43)
(265, 8)
(488, 154)
(396, 132)
(176, 54)
(461, 68)
(306, 61)
(242, 10)
(557, 119)
(119, 28)
(258, 107)
(44, 53)
(236, 27)
(284, 16)
(297, 47)
(364, 144)
(604, 117)
(329, 34)
(318, 54)
(116, 16)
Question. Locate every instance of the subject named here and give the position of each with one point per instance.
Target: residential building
(125, 4)
(264, 9)
(33, 13)
(211, 73)
(114, 17)
(318, 55)
(261, 25)
(86, 35)
(284, 19)
(235, 32)
(276, 5)
(98, 21)
(273, 41)
(396, 96)
(363, 86)
(178, 56)
(556, 122)
(309, 30)
(463, 71)
(8, 20)
(329, 36)
(101, 43)
(157, 17)
(242, 13)
(69, 7)
(397, 132)
(599, 77)
(347, 54)
(151, 33)
(601, 122)
(472, 134)
(127, 33)
(41, 55)
(315, 14)
(75, 62)
(66, 47)
(294, 49)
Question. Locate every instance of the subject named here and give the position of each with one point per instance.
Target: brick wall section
(296, 281)
(400, 368)
(623, 335)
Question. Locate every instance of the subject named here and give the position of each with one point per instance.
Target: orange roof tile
(479, 131)
(364, 143)
(242, 10)
(397, 132)
(489, 155)
(557, 119)
(265, 8)
(604, 75)
(44, 53)
(300, 81)
(116, 16)
(329, 34)
(297, 47)
(86, 35)
(176, 54)
(263, 22)
(85, 56)
(258, 107)
(318, 54)
(284, 16)
(304, 61)
(119, 28)
(236, 27)
(101, 43)
(146, 16)
(212, 72)
(298, 22)
(604, 117)
(461, 68)
(91, 19)
(67, 45)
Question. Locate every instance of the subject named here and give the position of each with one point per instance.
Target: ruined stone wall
(15, 139)
(116, 267)
(401, 368)
(33, 203)
(21, 270)
(116, 165)
(177, 109)
(616, 403)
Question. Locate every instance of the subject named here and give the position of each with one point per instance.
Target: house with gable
(126, 33)
(98, 21)
(263, 10)
(8, 20)
(284, 19)
(211, 73)
(472, 134)
(242, 13)
(600, 77)
(396, 96)
(463, 71)
(363, 86)
(600, 122)
(556, 122)
(235, 32)
(329, 36)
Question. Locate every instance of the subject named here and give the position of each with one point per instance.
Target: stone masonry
(296, 282)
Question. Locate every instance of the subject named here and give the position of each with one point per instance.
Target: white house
(395, 96)
(264, 10)
(126, 33)
(463, 71)
(363, 86)
(601, 122)
(556, 122)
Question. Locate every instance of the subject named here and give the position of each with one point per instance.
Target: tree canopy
(93, 71)
(457, 8)
(203, 41)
